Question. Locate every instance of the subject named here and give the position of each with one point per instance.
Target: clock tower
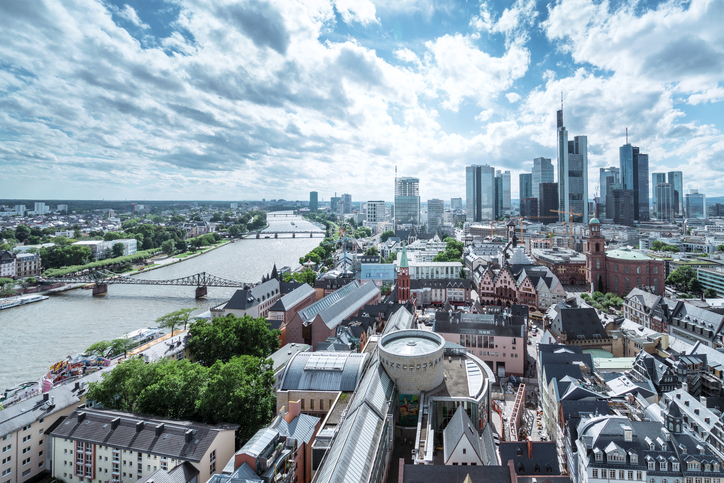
(595, 258)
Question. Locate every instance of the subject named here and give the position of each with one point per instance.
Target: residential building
(579, 326)
(255, 301)
(27, 265)
(647, 309)
(8, 264)
(572, 173)
(656, 179)
(664, 201)
(20, 209)
(695, 417)
(655, 368)
(696, 205)
(435, 214)
(543, 172)
(496, 339)
(616, 448)
(676, 180)
(479, 193)
(375, 211)
(568, 265)
(461, 443)
(111, 445)
(455, 291)
(62, 207)
(531, 458)
(317, 322)
(41, 208)
(620, 270)
(103, 249)
(635, 177)
(547, 202)
(285, 308)
(525, 186)
(313, 201)
(407, 201)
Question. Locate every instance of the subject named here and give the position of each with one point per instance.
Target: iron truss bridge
(202, 279)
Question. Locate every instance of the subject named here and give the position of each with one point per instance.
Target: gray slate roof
(323, 371)
(460, 427)
(183, 473)
(138, 433)
(293, 298)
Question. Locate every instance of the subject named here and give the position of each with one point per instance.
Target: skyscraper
(347, 198)
(695, 204)
(529, 208)
(656, 180)
(623, 205)
(526, 185)
(664, 200)
(456, 204)
(407, 201)
(498, 212)
(676, 180)
(608, 177)
(548, 201)
(572, 174)
(375, 211)
(543, 172)
(435, 214)
(479, 193)
(635, 177)
(313, 201)
(505, 175)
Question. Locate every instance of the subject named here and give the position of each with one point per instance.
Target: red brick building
(568, 265)
(619, 271)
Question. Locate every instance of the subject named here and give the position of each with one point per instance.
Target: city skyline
(251, 100)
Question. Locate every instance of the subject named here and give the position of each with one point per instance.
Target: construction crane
(530, 218)
(570, 214)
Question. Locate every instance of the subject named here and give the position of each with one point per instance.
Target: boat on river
(21, 300)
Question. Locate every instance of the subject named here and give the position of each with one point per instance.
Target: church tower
(403, 278)
(595, 258)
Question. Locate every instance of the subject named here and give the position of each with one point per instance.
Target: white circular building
(413, 359)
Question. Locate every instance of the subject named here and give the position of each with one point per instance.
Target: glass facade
(656, 180)
(479, 193)
(572, 174)
(543, 172)
(435, 213)
(407, 201)
(526, 185)
(664, 197)
(635, 177)
(676, 180)
(695, 205)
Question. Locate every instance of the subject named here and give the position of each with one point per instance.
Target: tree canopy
(386, 235)
(453, 252)
(372, 252)
(684, 278)
(226, 337)
(174, 319)
(308, 276)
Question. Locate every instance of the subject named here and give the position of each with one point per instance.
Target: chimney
(115, 422)
(46, 397)
(188, 436)
(159, 430)
(139, 426)
(81, 416)
(77, 386)
(530, 448)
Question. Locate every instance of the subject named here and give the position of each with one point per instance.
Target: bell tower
(595, 258)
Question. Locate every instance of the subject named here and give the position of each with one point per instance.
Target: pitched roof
(335, 313)
(459, 427)
(455, 474)
(176, 439)
(544, 458)
(291, 299)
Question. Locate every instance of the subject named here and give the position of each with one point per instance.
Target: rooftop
(627, 254)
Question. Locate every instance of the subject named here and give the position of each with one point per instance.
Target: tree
(226, 337)
(174, 319)
(7, 289)
(362, 232)
(168, 247)
(693, 285)
(113, 235)
(118, 250)
(386, 235)
(22, 232)
(99, 348)
(239, 392)
(307, 276)
(681, 276)
(120, 346)
(710, 293)
(720, 248)
(372, 252)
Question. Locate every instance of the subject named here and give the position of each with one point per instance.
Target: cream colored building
(97, 446)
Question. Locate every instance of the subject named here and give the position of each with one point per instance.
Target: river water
(35, 336)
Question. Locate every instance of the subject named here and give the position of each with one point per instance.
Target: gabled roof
(458, 428)
(292, 298)
(335, 313)
(543, 461)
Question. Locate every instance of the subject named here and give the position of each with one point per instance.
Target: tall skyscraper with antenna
(572, 173)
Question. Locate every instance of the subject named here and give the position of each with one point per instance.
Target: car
(530, 342)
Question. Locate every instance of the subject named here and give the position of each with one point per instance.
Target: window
(7, 460)
(599, 456)
(630, 475)
(620, 474)
(40, 443)
(656, 269)
(464, 450)
(26, 472)
(27, 438)
(638, 269)
(26, 450)
(26, 461)
(638, 475)
(651, 465)
(40, 453)
(603, 473)
(7, 472)
(626, 268)
(311, 404)
(25, 428)
(7, 448)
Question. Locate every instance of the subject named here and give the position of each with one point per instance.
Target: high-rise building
(529, 208)
(375, 211)
(526, 185)
(608, 177)
(635, 177)
(347, 198)
(479, 193)
(548, 201)
(676, 180)
(543, 172)
(313, 201)
(572, 174)
(407, 201)
(435, 214)
(695, 204)
(456, 204)
(656, 180)
(499, 190)
(664, 200)
(623, 205)
(505, 176)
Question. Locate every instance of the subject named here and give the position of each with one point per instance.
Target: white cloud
(362, 11)
(512, 97)
(130, 14)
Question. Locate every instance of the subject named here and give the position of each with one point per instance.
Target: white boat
(29, 299)
(9, 302)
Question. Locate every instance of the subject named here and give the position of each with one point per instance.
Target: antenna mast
(626, 135)
(561, 100)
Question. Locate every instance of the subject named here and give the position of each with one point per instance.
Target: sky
(237, 100)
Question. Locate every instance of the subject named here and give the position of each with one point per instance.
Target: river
(35, 336)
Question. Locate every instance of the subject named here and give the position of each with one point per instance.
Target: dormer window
(692, 466)
(599, 454)
(707, 467)
(664, 466)
(634, 457)
(675, 466)
(651, 465)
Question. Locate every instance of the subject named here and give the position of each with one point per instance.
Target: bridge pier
(100, 289)
(257, 235)
(294, 235)
(201, 292)
(276, 235)
(310, 234)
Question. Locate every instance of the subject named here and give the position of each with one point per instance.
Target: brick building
(619, 271)
(27, 265)
(568, 265)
